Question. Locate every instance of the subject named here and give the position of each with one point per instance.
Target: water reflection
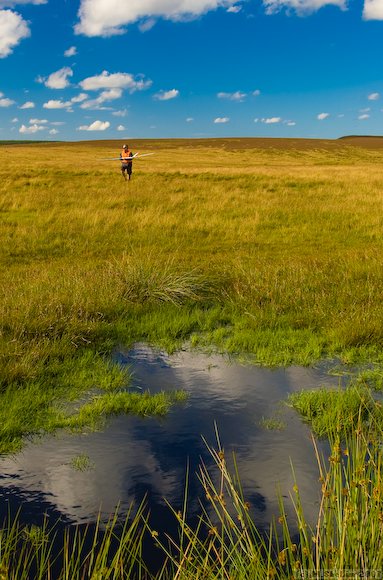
(133, 457)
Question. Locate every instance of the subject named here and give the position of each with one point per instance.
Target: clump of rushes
(226, 542)
(274, 423)
(101, 551)
(372, 378)
(347, 533)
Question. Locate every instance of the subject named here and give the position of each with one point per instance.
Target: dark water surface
(134, 456)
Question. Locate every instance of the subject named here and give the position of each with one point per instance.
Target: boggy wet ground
(133, 457)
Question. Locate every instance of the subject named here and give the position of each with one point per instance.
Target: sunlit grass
(273, 251)
(94, 413)
(323, 408)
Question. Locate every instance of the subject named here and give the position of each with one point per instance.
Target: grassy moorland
(266, 247)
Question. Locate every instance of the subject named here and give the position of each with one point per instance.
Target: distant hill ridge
(361, 137)
(24, 142)
(366, 141)
(225, 143)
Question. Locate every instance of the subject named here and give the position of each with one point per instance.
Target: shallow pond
(137, 456)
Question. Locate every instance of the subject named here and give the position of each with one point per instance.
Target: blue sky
(122, 69)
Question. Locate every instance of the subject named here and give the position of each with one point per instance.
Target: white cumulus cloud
(118, 80)
(28, 105)
(121, 113)
(107, 17)
(373, 96)
(146, 25)
(59, 79)
(72, 51)
(12, 30)
(121, 128)
(95, 126)
(38, 121)
(301, 6)
(271, 120)
(79, 98)
(373, 10)
(323, 116)
(234, 9)
(31, 129)
(57, 104)
(104, 97)
(223, 120)
(5, 102)
(364, 117)
(166, 95)
(237, 96)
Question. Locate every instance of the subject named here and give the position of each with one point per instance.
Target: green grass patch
(82, 462)
(273, 423)
(323, 408)
(80, 390)
(372, 378)
(34, 411)
(94, 413)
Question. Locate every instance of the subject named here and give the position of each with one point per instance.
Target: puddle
(134, 457)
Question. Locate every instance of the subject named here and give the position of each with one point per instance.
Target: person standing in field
(126, 165)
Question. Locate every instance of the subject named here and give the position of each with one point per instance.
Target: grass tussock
(82, 462)
(144, 280)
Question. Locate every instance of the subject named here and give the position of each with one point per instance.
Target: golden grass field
(271, 248)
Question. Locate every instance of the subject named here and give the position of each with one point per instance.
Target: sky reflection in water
(133, 457)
